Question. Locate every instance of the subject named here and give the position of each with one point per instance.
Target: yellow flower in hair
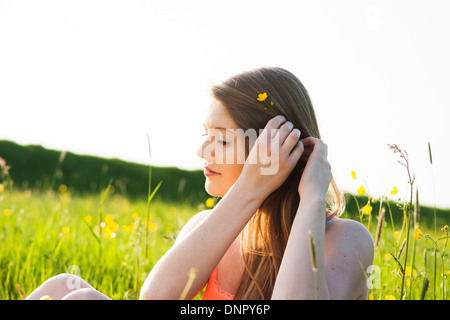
(262, 96)
(394, 191)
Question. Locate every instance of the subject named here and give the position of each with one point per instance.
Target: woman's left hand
(317, 175)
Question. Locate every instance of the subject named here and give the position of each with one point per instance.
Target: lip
(209, 172)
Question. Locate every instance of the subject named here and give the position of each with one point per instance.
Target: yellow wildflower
(361, 191)
(445, 228)
(127, 228)
(370, 296)
(408, 271)
(209, 202)
(367, 210)
(88, 218)
(6, 212)
(151, 226)
(135, 215)
(353, 174)
(394, 191)
(397, 234)
(65, 229)
(418, 234)
(63, 188)
(2, 187)
(389, 297)
(110, 232)
(387, 256)
(262, 97)
(108, 218)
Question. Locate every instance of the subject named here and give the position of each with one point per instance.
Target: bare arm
(203, 246)
(295, 278)
(340, 248)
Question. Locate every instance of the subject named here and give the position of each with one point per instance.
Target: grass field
(43, 234)
(112, 241)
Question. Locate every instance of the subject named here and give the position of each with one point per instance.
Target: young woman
(256, 242)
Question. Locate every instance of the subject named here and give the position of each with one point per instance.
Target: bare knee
(59, 286)
(71, 281)
(86, 294)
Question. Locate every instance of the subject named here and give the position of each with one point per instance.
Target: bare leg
(86, 294)
(59, 286)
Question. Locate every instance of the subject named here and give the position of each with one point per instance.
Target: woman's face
(222, 150)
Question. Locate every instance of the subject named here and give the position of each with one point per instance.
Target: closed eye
(218, 140)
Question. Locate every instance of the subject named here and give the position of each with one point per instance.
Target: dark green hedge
(33, 166)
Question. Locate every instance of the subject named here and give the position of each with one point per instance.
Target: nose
(204, 151)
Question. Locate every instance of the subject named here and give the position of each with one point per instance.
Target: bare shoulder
(191, 224)
(349, 251)
(349, 234)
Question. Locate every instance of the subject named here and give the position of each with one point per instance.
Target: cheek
(219, 185)
(235, 170)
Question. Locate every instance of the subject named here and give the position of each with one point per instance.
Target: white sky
(93, 77)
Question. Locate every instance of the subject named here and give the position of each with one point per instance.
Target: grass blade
(313, 262)
(191, 276)
(426, 285)
(399, 263)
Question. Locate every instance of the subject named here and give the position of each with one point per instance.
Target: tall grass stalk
(149, 200)
(313, 262)
(103, 197)
(58, 172)
(435, 219)
(425, 286)
(381, 213)
(411, 178)
(148, 203)
(191, 277)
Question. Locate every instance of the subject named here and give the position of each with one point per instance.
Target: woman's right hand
(272, 158)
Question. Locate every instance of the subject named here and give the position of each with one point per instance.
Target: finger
(315, 145)
(271, 129)
(291, 141)
(275, 123)
(283, 132)
(296, 153)
(310, 141)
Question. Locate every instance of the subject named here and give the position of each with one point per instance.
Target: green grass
(46, 233)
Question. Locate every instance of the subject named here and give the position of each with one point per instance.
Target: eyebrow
(221, 128)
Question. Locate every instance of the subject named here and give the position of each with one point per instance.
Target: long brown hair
(265, 238)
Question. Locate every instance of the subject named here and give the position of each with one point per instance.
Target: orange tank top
(213, 291)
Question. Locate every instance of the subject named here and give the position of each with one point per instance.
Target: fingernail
(297, 132)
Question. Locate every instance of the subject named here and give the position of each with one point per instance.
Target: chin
(215, 189)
